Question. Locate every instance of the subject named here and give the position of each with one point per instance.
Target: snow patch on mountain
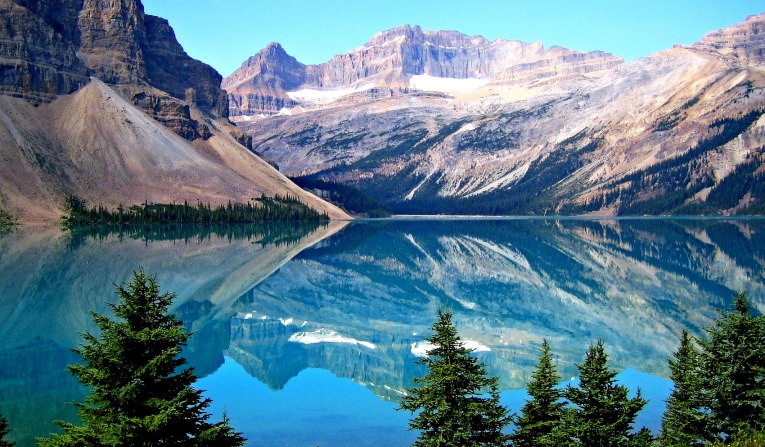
(327, 336)
(326, 96)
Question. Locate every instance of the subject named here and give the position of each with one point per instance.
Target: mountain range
(442, 122)
(99, 100)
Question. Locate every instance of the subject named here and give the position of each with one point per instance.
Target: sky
(224, 33)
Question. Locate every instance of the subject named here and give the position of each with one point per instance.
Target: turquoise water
(308, 336)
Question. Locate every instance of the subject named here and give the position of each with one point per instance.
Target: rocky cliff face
(37, 49)
(744, 43)
(170, 69)
(52, 48)
(111, 34)
(385, 65)
(470, 126)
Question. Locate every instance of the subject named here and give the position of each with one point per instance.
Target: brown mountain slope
(100, 100)
(96, 144)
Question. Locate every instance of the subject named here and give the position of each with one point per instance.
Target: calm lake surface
(307, 336)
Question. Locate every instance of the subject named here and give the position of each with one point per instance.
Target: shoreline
(404, 217)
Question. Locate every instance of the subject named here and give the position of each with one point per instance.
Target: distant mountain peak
(416, 35)
(270, 68)
(397, 33)
(271, 52)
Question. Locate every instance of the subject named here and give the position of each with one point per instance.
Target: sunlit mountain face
(432, 122)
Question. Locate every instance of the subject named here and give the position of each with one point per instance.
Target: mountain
(98, 99)
(393, 63)
(442, 122)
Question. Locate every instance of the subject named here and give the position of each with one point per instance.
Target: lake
(308, 335)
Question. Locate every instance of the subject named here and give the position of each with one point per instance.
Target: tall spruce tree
(4, 432)
(541, 420)
(138, 396)
(454, 408)
(683, 421)
(733, 371)
(604, 414)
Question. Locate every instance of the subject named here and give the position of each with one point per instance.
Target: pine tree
(683, 421)
(604, 415)
(541, 419)
(455, 412)
(4, 432)
(138, 395)
(733, 371)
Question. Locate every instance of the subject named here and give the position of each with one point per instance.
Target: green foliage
(4, 432)
(733, 371)
(603, 414)
(140, 394)
(342, 140)
(453, 409)
(744, 179)
(683, 421)
(265, 209)
(748, 438)
(348, 197)
(677, 179)
(535, 193)
(719, 390)
(7, 222)
(265, 233)
(541, 420)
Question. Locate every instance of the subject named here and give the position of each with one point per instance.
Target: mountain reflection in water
(358, 299)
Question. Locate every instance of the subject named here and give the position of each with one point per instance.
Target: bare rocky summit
(441, 122)
(100, 100)
(744, 43)
(385, 65)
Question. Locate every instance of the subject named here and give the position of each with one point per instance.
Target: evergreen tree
(7, 222)
(455, 412)
(4, 432)
(603, 415)
(683, 421)
(541, 419)
(138, 395)
(733, 371)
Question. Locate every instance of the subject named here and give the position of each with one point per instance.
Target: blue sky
(223, 33)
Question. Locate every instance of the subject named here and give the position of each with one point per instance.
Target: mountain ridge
(385, 64)
(561, 132)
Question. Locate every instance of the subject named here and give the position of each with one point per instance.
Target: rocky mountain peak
(270, 68)
(405, 32)
(414, 35)
(52, 47)
(743, 43)
(273, 51)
